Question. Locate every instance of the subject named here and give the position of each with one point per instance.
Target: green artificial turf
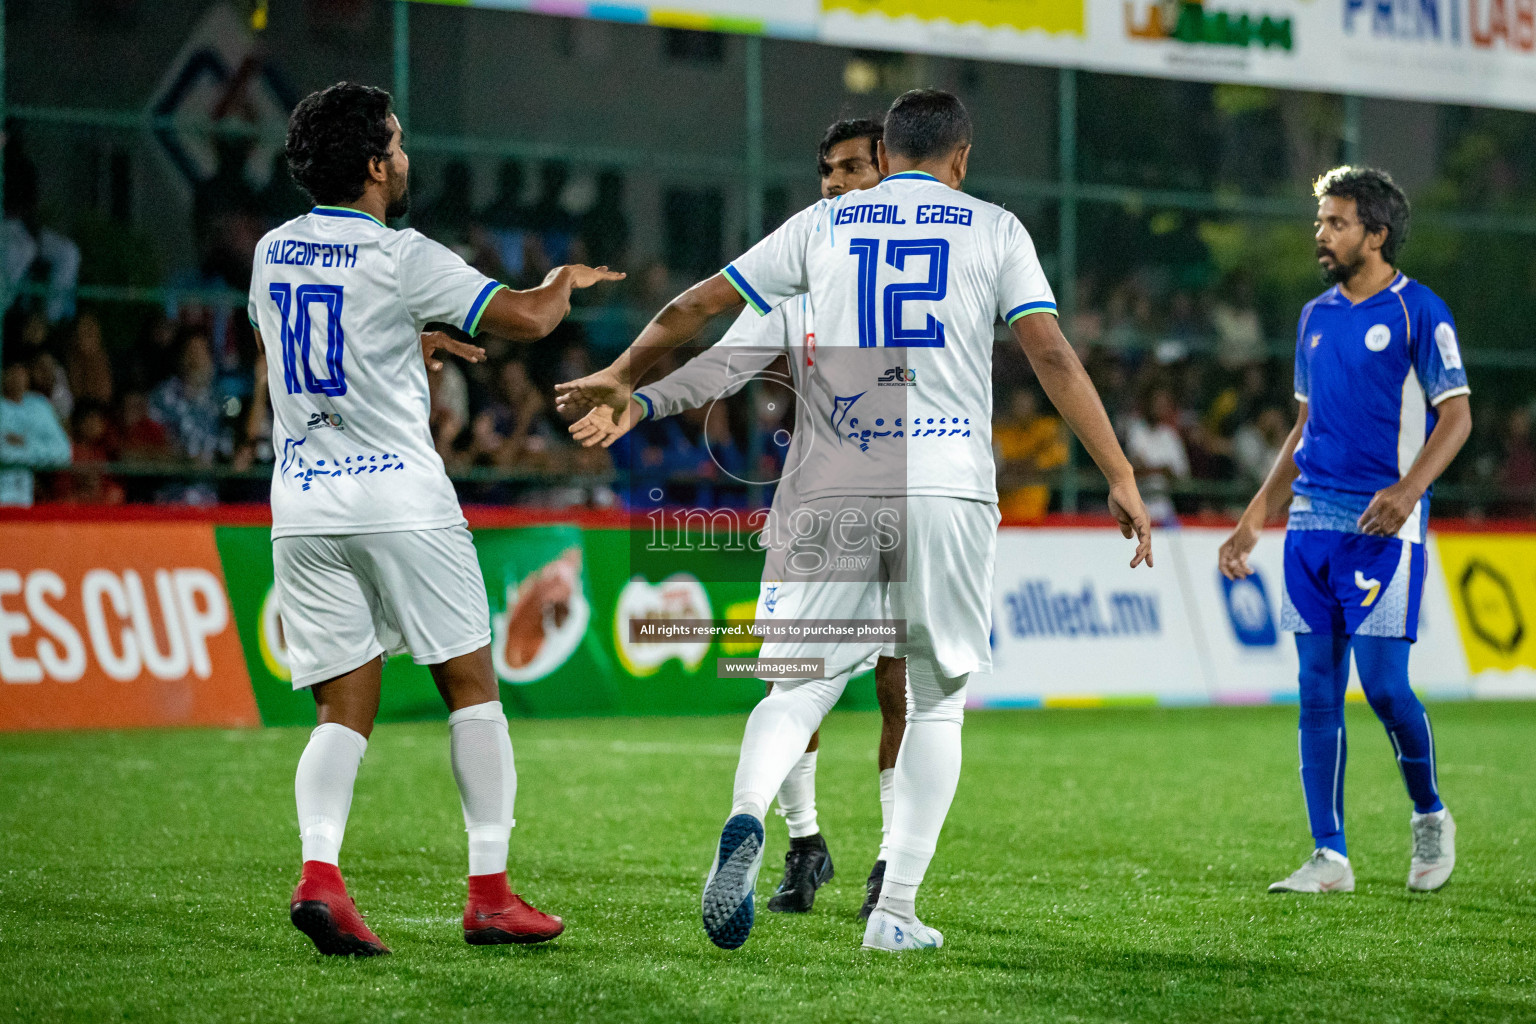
(1101, 865)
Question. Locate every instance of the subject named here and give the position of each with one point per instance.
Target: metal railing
(751, 170)
(1219, 495)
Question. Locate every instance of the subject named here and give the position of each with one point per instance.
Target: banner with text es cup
(117, 625)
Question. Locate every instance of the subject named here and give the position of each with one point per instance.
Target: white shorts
(346, 600)
(808, 599)
(942, 587)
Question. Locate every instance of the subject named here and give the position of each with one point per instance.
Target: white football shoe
(1434, 850)
(885, 931)
(1324, 871)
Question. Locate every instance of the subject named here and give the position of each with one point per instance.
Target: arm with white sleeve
(770, 272)
(751, 345)
(439, 287)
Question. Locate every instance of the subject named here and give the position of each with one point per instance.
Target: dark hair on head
(1379, 203)
(839, 132)
(926, 123)
(333, 135)
(88, 407)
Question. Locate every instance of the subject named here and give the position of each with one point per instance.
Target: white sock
(927, 773)
(777, 731)
(487, 778)
(797, 797)
(898, 899)
(887, 811)
(322, 788)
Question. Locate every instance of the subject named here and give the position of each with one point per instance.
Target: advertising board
(109, 626)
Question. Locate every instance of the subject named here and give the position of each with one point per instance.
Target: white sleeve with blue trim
(752, 343)
(775, 268)
(1437, 351)
(439, 287)
(1021, 285)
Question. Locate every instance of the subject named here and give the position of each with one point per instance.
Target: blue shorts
(1352, 583)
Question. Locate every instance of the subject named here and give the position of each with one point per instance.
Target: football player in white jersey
(371, 550)
(846, 161)
(899, 482)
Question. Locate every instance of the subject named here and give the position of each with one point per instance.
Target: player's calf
(494, 915)
(321, 909)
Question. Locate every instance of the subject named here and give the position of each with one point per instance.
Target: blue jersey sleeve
(1303, 383)
(1436, 350)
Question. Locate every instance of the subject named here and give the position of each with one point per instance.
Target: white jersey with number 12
(920, 273)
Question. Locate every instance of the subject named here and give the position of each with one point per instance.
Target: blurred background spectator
(1184, 306)
(1029, 445)
(30, 435)
(1156, 450)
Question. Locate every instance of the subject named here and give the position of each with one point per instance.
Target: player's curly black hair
(332, 136)
(841, 131)
(1379, 203)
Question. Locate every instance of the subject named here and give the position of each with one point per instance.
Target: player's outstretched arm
(1390, 508)
(532, 314)
(1274, 495)
(708, 377)
(678, 323)
(1067, 385)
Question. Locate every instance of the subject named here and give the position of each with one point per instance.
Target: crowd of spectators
(177, 412)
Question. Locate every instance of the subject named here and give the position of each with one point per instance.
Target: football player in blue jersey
(1383, 411)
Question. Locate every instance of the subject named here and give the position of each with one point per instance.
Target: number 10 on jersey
(293, 309)
(897, 251)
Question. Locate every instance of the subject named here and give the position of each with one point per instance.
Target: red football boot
(322, 910)
(495, 915)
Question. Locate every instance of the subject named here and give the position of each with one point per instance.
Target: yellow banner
(1492, 581)
(1021, 15)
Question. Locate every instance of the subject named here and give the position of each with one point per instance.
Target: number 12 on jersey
(897, 251)
(296, 343)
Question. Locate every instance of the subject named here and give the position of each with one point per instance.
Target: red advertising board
(117, 625)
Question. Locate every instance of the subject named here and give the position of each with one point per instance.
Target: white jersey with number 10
(921, 272)
(340, 301)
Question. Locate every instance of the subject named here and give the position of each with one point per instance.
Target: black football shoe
(872, 889)
(807, 867)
